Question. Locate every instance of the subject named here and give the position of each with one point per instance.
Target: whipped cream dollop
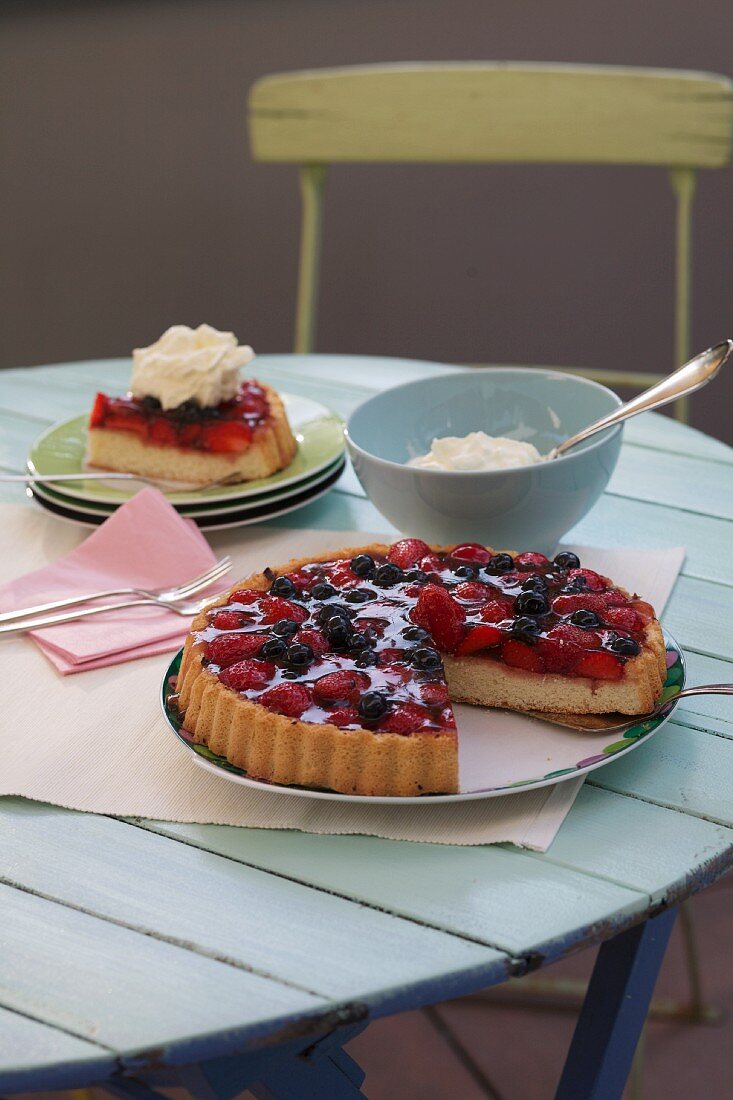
(189, 364)
(476, 451)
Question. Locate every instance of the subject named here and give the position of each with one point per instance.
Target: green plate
(499, 752)
(196, 511)
(233, 518)
(319, 432)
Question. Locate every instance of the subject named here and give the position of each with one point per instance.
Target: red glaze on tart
(227, 428)
(242, 439)
(359, 642)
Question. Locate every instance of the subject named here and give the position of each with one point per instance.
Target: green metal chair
(491, 113)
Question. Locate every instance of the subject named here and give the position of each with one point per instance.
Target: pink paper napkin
(146, 544)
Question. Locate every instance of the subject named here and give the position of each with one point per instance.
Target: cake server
(604, 723)
(686, 379)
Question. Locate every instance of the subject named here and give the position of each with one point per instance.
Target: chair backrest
(490, 112)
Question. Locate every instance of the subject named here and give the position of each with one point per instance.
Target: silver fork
(179, 592)
(185, 609)
(113, 475)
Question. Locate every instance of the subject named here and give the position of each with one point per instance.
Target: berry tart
(188, 417)
(338, 672)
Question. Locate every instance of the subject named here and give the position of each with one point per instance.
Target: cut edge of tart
(144, 439)
(281, 748)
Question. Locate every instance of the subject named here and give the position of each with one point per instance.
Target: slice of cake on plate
(339, 672)
(188, 417)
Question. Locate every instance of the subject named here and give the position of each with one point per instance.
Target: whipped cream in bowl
(186, 364)
(476, 451)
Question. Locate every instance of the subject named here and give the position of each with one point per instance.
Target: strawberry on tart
(339, 672)
(188, 417)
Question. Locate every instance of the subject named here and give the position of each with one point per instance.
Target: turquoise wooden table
(238, 957)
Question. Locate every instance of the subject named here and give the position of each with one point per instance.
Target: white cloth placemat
(97, 741)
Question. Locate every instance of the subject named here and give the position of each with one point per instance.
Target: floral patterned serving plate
(500, 752)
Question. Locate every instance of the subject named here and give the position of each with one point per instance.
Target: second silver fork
(185, 609)
(179, 592)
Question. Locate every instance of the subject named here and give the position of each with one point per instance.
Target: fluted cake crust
(273, 448)
(287, 751)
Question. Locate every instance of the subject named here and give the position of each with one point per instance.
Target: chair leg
(614, 1011)
(697, 1011)
(312, 186)
(683, 184)
(449, 1036)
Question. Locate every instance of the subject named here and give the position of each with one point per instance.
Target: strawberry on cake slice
(339, 671)
(188, 416)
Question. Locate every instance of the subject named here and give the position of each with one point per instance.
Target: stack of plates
(317, 465)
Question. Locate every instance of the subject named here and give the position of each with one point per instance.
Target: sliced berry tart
(188, 417)
(338, 672)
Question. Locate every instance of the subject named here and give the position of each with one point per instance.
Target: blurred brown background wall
(129, 201)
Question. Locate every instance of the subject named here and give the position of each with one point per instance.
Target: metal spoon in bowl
(686, 379)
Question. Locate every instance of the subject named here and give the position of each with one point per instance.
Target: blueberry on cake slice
(189, 417)
(339, 671)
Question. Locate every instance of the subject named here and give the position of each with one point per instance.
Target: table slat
(486, 893)
(640, 845)
(28, 1045)
(680, 767)
(339, 513)
(694, 484)
(259, 921)
(709, 712)
(16, 435)
(661, 433)
(620, 521)
(699, 614)
(610, 832)
(122, 989)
